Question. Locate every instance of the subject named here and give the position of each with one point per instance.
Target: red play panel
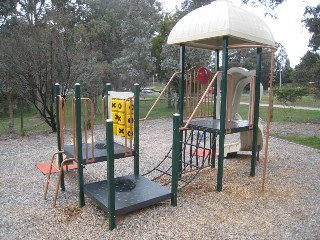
(44, 167)
(201, 152)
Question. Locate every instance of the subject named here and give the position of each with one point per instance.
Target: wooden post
(60, 157)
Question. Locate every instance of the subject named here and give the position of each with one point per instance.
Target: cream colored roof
(205, 27)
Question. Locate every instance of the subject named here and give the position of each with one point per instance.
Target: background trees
(118, 41)
(309, 68)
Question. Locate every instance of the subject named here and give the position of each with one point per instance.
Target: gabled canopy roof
(205, 27)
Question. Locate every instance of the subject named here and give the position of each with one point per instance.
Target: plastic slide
(241, 78)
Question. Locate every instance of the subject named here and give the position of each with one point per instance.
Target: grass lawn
(305, 101)
(286, 114)
(32, 122)
(307, 141)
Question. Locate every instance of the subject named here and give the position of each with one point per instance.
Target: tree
(271, 4)
(7, 87)
(190, 5)
(282, 66)
(307, 72)
(170, 54)
(41, 50)
(138, 26)
(159, 42)
(7, 10)
(312, 23)
(120, 34)
(309, 67)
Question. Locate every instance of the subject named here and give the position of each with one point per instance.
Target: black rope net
(198, 148)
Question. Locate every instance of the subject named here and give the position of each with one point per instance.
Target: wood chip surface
(288, 209)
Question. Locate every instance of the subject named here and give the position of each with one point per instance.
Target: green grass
(305, 101)
(32, 122)
(285, 114)
(307, 141)
(161, 110)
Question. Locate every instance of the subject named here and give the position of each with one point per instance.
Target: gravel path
(288, 209)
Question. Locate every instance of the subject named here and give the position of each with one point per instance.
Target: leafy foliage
(312, 22)
(97, 41)
(307, 72)
(271, 4)
(290, 95)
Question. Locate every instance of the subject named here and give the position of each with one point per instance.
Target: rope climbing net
(198, 151)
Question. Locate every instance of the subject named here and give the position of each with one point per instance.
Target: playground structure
(208, 108)
(201, 105)
(114, 195)
(201, 101)
(218, 26)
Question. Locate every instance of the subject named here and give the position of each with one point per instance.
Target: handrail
(162, 92)
(91, 127)
(230, 95)
(103, 112)
(191, 69)
(201, 99)
(85, 128)
(128, 150)
(155, 103)
(251, 101)
(62, 118)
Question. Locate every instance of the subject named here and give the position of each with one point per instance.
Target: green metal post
(79, 144)
(110, 174)
(175, 159)
(256, 114)
(108, 89)
(136, 91)
(60, 157)
(181, 94)
(222, 113)
(214, 137)
(181, 82)
(216, 68)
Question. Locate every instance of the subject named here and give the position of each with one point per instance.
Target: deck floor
(213, 125)
(144, 194)
(100, 152)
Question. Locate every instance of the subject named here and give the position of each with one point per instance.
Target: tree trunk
(10, 113)
(53, 119)
(21, 120)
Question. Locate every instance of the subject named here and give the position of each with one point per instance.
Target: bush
(289, 95)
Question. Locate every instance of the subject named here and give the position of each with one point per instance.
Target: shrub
(289, 95)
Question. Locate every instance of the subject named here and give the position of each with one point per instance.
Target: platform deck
(144, 194)
(213, 125)
(100, 152)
